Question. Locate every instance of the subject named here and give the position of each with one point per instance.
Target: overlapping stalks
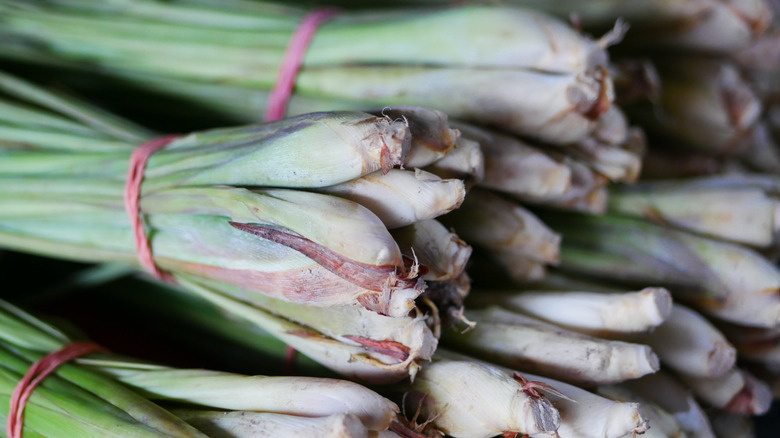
(103, 394)
(624, 346)
(227, 214)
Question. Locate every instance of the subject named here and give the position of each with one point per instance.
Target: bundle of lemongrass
(507, 67)
(297, 210)
(102, 394)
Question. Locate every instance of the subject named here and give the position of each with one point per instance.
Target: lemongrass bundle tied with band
(508, 67)
(206, 204)
(102, 393)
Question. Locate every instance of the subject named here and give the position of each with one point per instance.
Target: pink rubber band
(135, 174)
(292, 60)
(35, 375)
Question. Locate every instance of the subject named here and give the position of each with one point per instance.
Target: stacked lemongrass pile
(507, 68)
(568, 177)
(291, 217)
(102, 394)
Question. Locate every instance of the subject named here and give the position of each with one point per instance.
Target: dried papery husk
(465, 161)
(441, 251)
(432, 137)
(402, 197)
(464, 398)
(736, 392)
(688, 344)
(490, 221)
(661, 423)
(664, 390)
(594, 313)
(746, 215)
(518, 341)
(634, 79)
(241, 424)
(445, 298)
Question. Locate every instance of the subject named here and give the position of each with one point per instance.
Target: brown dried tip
(604, 101)
(388, 348)
(532, 388)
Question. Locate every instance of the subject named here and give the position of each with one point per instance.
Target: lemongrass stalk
(74, 400)
(583, 413)
(405, 338)
(69, 114)
(661, 423)
(551, 108)
(586, 312)
(357, 362)
(242, 424)
(587, 192)
(704, 105)
(736, 392)
(350, 145)
(518, 341)
(490, 221)
(688, 344)
(468, 399)
(304, 396)
(299, 395)
(279, 257)
(728, 425)
(465, 161)
(401, 197)
(667, 392)
(442, 252)
(517, 266)
(740, 215)
(725, 26)
(721, 279)
(552, 84)
(616, 163)
(432, 137)
(514, 167)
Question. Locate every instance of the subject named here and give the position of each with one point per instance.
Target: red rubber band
(292, 60)
(35, 375)
(135, 174)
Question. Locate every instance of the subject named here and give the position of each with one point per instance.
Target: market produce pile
(475, 210)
